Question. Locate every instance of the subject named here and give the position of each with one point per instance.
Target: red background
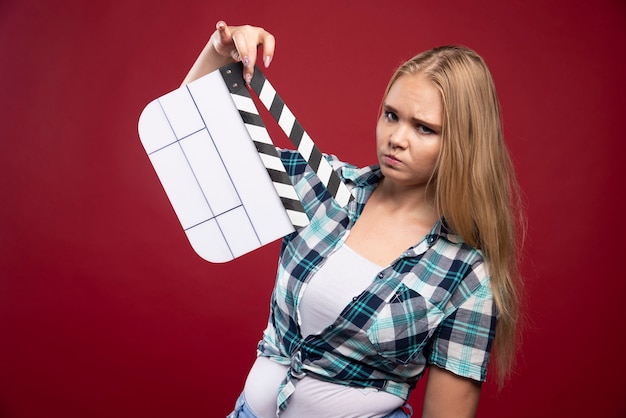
(105, 311)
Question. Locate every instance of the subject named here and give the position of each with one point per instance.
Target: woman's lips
(391, 160)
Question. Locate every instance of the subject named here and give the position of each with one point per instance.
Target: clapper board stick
(289, 124)
(265, 147)
(219, 167)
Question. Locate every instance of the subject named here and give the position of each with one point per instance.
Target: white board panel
(211, 171)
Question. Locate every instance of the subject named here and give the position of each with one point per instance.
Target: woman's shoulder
(459, 260)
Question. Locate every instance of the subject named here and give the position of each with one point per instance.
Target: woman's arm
(232, 43)
(449, 395)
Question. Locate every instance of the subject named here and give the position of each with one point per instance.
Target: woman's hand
(241, 42)
(238, 43)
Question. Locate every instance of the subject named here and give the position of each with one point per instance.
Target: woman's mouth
(391, 160)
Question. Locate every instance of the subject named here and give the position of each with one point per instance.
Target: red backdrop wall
(105, 311)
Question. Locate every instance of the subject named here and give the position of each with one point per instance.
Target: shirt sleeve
(462, 342)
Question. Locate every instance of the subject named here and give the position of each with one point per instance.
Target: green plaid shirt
(432, 305)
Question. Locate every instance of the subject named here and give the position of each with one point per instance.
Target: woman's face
(408, 133)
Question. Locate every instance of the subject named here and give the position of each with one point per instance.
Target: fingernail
(246, 61)
(267, 61)
(248, 78)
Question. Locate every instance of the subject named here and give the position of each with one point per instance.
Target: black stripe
(333, 184)
(315, 158)
(241, 93)
(276, 108)
(278, 176)
(291, 204)
(251, 118)
(257, 81)
(267, 149)
(296, 133)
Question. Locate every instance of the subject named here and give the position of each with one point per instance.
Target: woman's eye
(390, 116)
(424, 130)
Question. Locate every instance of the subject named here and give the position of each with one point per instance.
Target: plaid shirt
(432, 305)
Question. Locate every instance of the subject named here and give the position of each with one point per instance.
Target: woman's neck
(407, 202)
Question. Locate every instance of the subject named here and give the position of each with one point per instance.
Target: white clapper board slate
(219, 167)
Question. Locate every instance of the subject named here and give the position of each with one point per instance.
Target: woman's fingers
(259, 37)
(223, 31)
(241, 43)
(246, 55)
(269, 44)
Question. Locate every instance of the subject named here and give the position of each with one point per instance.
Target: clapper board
(219, 168)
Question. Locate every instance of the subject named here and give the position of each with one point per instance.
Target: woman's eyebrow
(435, 127)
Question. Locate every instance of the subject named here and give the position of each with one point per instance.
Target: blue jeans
(242, 410)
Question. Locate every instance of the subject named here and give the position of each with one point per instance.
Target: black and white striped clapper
(219, 168)
(233, 74)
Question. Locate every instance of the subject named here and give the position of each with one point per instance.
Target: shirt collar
(368, 177)
(441, 229)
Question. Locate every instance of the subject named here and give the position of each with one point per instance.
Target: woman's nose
(398, 137)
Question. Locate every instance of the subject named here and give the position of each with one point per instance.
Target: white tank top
(344, 275)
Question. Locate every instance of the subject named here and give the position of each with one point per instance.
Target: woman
(413, 273)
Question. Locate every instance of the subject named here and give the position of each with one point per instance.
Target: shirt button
(381, 275)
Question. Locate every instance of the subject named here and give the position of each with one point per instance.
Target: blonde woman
(417, 273)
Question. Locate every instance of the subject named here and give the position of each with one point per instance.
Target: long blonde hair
(476, 190)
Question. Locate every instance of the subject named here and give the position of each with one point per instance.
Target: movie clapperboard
(219, 168)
